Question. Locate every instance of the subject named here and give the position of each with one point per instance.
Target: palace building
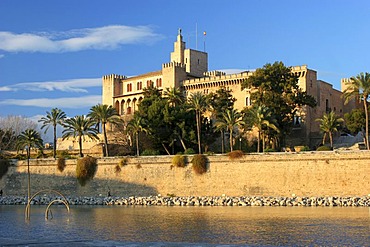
(188, 70)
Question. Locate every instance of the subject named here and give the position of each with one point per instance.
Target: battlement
(222, 77)
(114, 76)
(173, 65)
(214, 73)
(345, 80)
(298, 68)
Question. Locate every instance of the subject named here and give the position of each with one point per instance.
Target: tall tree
(198, 103)
(276, 87)
(174, 96)
(54, 118)
(28, 139)
(329, 124)
(135, 126)
(358, 88)
(103, 114)
(230, 119)
(80, 126)
(261, 118)
(219, 101)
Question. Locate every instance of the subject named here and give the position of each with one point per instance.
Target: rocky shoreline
(329, 201)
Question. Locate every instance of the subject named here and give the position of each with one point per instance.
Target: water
(185, 226)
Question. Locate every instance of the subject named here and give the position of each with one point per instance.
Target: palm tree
(358, 87)
(79, 126)
(174, 96)
(53, 118)
(135, 126)
(329, 123)
(230, 119)
(104, 114)
(28, 139)
(198, 103)
(260, 117)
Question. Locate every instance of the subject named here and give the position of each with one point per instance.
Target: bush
(189, 151)
(86, 169)
(150, 152)
(4, 166)
(324, 148)
(63, 154)
(122, 162)
(199, 163)
(61, 164)
(179, 160)
(117, 169)
(269, 150)
(235, 154)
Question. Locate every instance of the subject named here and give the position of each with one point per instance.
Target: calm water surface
(135, 226)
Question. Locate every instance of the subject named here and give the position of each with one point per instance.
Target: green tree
(219, 101)
(198, 103)
(135, 126)
(230, 119)
(261, 118)
(80, 126)
(104, 114)
(355, 120)
(276, 87)
(358, 88)
(53, 118)
(174, 96)
(329, 124)
(28, 139)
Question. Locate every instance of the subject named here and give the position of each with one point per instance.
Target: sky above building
(54, 53)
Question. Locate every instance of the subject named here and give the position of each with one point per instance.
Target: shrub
(305, 148)
(61, 164)
(269, 150)
(150, 152)
(189, 151)
(235, 154)
(179, 160)
(86, 169)
(117, 169)
(4, 166)
(324, 148)
(123, 162)
(199, 163)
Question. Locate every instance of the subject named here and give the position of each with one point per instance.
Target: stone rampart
(278, 174)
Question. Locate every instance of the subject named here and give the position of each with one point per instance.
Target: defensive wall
(279, 174)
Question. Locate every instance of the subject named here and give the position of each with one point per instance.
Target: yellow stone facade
(188, 70)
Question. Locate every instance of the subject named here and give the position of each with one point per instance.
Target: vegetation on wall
(324, 148)
(85, 169)
(237, 154)
(61, 164)
(179, 160)
(4, 166)
(199, 162)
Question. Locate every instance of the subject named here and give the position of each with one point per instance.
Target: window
(129, 87)
(139, 85)
(149, 83)
(247, 101)
(159, 82)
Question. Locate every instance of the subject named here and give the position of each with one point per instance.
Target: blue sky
(54, 53)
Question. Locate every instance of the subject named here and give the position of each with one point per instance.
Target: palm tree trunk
(55, 142)
(105, 140)
(263, 142)
(137, 144)
(258, 141)
(29, 180)
(222, 142)
(323, 139)
(80, 145)
(231, 140)
(198, 131)
(168, 152)
(331, 139)
(182, 142)
(367, 123)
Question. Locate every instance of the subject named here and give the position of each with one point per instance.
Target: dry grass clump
(199, 163)
(179, 160)
(237, 154)
(86, 169)
(61, 164)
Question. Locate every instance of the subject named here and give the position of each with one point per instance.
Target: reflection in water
(216, 225)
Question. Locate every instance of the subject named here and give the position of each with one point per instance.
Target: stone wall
(280, 174)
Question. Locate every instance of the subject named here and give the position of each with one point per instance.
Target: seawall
(279, 174)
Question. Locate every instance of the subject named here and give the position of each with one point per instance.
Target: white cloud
(72, 85)
(108, 37)
(72, 103)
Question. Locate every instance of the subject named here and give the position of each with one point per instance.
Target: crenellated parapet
(114, 76)
(173, 65)
(214, 73)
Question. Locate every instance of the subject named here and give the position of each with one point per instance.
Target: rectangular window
(129, 87)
